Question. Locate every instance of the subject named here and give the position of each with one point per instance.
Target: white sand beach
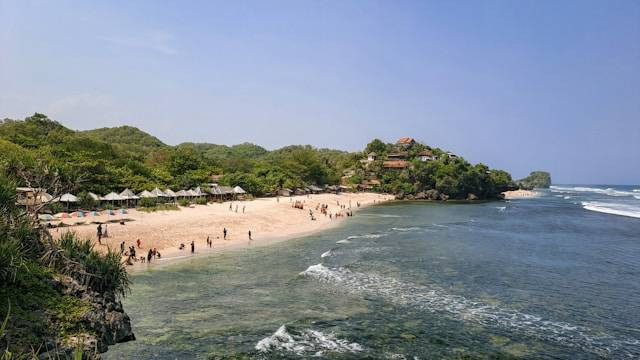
(520, 194)
(269, 219)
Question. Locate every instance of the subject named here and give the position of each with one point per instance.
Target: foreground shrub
(77, 258)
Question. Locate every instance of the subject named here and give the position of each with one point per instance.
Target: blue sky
(518, 85)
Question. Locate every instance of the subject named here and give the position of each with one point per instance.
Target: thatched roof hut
(238, 190)
(128, 195)
(147, 194)
(183, 193)
(170, 193)
(157, 192)
(112, 197)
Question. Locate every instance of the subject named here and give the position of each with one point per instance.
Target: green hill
(126, 135)
(111, 159)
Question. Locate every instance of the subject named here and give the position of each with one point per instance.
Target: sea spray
(307, 342)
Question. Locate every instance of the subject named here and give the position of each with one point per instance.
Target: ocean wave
(436, 300)
(607, 191)
(636, 190)
(325, 254)
(612, 208)
(307, 342)
(364, 236)
(403, 229)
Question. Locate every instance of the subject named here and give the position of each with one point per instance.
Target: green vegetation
(449, 175)
(159, 207)
(32, 267)
(111, 159)
(537, 179)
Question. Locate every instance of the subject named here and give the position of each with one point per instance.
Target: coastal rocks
(431, 194)
(104, 322)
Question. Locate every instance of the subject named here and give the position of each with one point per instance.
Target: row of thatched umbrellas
(155, 193)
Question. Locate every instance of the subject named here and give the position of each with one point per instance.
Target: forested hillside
(111, 159)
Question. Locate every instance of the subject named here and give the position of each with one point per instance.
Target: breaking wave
(437, 300)
(612, 208)
(403, 229)
(307, 342)
(365, 236)
(607, 191)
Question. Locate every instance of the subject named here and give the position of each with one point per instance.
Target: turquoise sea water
(533, 278)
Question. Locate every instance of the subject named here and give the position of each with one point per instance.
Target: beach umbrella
(68, 198)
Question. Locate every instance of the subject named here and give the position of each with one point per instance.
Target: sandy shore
(269, 219)
(520, 194)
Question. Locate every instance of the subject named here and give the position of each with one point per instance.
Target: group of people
(298, 205)
(153, 253)
(231, 207)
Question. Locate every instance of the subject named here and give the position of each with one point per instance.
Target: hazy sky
(519, 85)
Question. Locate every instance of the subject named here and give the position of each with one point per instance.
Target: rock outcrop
(105, 323)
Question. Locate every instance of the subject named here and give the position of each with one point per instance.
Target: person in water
(149, 256)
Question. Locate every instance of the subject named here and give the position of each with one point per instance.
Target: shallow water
(533, 278)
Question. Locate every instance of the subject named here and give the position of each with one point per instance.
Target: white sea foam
(567, 197)
(501, 208)
(364, 236)
(325, 254)
(436, 300)
(613, 208)
(403, 229)
(307, 342)
(607, 191)
(636, 190)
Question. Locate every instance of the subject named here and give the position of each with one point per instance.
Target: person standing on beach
(122, 248)
(138, 242)
(230, 206)
(193, 246)
(236, 208)
(224, 232)
(243, 209)
(149, 256)
(250, 235)
(100, 234)
(208, 241)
